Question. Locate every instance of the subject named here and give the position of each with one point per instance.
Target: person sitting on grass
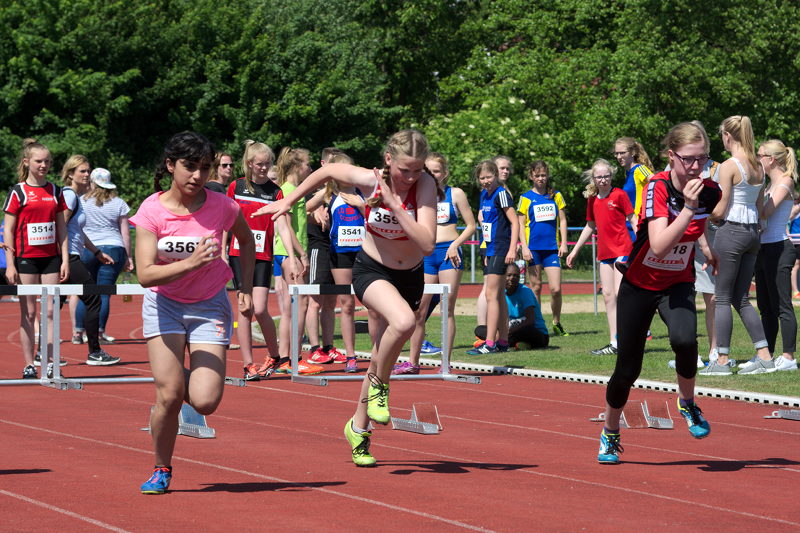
(526, 326)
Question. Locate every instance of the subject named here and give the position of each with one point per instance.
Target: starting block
(788, 414)
(424, 420)
(191, 423)
(642, 416)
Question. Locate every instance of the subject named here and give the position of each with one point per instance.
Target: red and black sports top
(662, 200)
(36, 208)
(381, 222)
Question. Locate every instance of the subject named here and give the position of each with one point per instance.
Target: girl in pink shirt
(178, 236)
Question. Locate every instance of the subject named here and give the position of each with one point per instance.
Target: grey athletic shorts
(206, 322)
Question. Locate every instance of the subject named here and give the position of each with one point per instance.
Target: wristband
(692, 209)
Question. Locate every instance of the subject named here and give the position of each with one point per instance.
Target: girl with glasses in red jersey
(659, 277)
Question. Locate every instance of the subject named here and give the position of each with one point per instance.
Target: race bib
(384, 223)
(41, 233)
(676, 260)
(486, 227)
(350, 236)
(174, 248)
(544, 212)
(442, 212)
(259, 236)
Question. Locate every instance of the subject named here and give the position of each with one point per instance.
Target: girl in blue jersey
(542, 220)
(500, 228)
(346, 208)
(445, 264)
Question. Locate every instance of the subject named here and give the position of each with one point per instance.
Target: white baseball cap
(102, 178)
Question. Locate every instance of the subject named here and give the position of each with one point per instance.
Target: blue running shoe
(429, 349)
(698, 426)
(158, 482)
(610, 448)
(482, 349)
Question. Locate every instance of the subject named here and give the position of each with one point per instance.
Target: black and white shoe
(101, 358)
(29, 372)
(37, 360)
(608, 349)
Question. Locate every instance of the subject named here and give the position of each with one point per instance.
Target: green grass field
(589, 331)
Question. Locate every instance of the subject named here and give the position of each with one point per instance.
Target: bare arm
(151, 274)
(511, 215)
(587, 231)
(777, 195)
(562, 226)
(10, 224)
(460, 199)
(125, 232)
(247, 260)
(63, 243)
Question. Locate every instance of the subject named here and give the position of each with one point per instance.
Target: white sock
(357, 429)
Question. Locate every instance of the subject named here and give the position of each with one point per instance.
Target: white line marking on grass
(63, 511)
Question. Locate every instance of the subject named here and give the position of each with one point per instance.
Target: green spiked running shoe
(359, 445)
(377, 400)
(558, 330)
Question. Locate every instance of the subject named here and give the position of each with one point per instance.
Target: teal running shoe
(698, 426)
(610, 448)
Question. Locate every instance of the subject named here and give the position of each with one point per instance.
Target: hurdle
(52, 357)
(295, 291)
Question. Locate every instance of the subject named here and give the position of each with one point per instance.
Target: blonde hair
(635, 147)
(335, 156)
(251, 148)
(69, 167)
(784, 155)
(588, 176)
(289, 160)
(685, 133)
(28, 146)
(409, 143)
(101, 195)
(741, 130)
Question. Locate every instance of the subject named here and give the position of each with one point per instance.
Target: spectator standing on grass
(107, 227)
(35, 235)
(500, 228)
(75, 176)
(346, 233)
(321, 314)
(179, 235)
(659, 277)
(777, 255)
(543, 235)
(608, 209)
(505, 169)
(388, 271)
(445, 264)
(526, 326)
(634, 161)
(221, 173)
(737, 242)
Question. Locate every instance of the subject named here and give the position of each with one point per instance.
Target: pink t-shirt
(178, 235)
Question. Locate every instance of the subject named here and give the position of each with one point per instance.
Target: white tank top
(776, 223)
(742, 208)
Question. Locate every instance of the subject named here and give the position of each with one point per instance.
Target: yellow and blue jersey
(635, 181)
(541, 219)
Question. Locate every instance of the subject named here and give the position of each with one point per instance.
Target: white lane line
(63, 511)
(370, 501)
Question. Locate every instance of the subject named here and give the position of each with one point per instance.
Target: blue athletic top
(347, 226)
(541, 219)
(446, 212)
(794, 226)
(522, 299)
(495, 226)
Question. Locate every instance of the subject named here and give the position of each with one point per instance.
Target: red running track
(516, 454)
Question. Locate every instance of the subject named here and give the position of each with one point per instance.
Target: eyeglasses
(690, 161)
(603, 177)
(763, 155)
(226, 165)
